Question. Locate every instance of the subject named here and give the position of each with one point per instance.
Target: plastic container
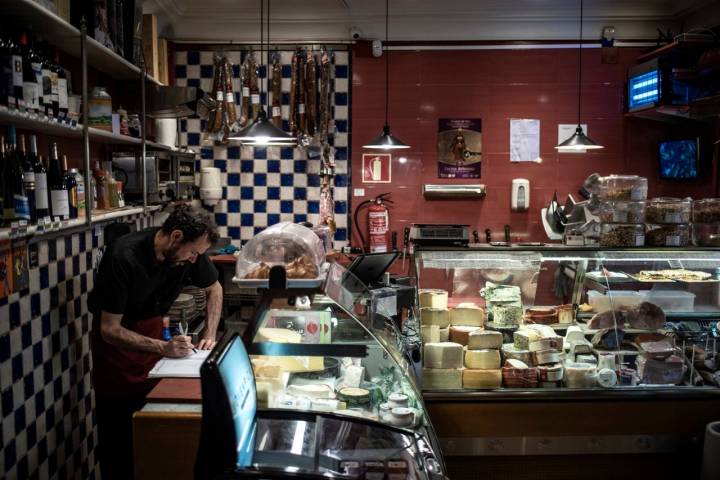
(671, 300)
(620, 299)
(622, 235)
(622, 187)
(706, 234)
(622, 212)
(667, 235)
(288, 244)
(668, 210)
(706, 210)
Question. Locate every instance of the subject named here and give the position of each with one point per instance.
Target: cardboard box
(150, 44)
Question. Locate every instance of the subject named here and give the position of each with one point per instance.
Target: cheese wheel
(482, 359)
(442, 379)
(550, 373)
(515, 364)
(480, 339)
(510, 351)
(435, 316)
(585, 358)
(433, 298)
(469, 315)
(443, 355)
(580, 375)
(523, 337)
(460, 333)
(278, 335)
(481, 378)
(445, 334)
(546, 343)
(543, 357)
(430, 333)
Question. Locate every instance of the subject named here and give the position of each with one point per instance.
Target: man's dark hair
(192, 222)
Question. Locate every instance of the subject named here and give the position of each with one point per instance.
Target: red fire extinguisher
(378, 224)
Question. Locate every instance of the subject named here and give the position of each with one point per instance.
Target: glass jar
(100, 109)
(622, 235)
(706, 234)
(668, 210)
(622, 212)
(622, 187)
(706, 210)
(667, 235)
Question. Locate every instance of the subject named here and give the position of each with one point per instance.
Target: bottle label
(17, 71)
(73, 198)
(31, 95)
(60, 203)
(28, 177)
(41, 192)
(219, 96)
(229, 97)
(54, 86)
(301, 108)
(255, 98)
(246, 91)
(276, 112)
(62, 93)
(22, 207)
(81, 200)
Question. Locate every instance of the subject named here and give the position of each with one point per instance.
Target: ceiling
(427, 20)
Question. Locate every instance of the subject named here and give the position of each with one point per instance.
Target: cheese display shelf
(333, 351)
(563, 322)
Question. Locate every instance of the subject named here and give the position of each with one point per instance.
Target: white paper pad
(188, 367)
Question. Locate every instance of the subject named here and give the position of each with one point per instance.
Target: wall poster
(376, 168)
(459, 147)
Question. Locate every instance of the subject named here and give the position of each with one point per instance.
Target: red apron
(118, 370)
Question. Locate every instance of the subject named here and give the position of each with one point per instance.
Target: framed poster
(459, 147)
(376, 167)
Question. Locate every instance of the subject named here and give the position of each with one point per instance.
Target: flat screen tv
(679, 159)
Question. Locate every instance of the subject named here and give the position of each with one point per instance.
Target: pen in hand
(184, 331)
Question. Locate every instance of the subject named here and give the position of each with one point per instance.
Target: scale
(440, 235)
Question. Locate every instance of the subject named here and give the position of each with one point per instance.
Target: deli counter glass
(334, 392)
(560, 320)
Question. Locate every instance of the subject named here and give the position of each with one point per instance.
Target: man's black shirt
(131, 282)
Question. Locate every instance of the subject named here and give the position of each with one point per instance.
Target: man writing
(139, 277)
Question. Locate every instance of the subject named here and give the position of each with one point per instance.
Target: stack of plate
(199, 296)
(182, 308)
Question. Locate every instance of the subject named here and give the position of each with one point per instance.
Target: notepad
(188, 367)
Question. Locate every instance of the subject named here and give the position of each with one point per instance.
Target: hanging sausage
(310, 93)
(276, 90)
(245, 68)
(294, 80)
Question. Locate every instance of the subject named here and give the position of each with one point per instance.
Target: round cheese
(460, 333)
(550, 373)
(435, 316)
(544, 357)
(482, 359)
(430, 333)
(278, 335)
(509, 350)
(580, 375)
(470, 315)
(515, 364)
(441, 379)
(433, 298)
(481, 339)
(484, 379)
(354, 396)
(443, 355)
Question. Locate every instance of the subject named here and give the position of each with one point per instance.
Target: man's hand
(180, 346)
(206, 344)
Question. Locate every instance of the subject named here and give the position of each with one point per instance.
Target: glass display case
(561, 319)
(336, 394)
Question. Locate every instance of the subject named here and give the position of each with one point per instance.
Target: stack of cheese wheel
(442, 366)
(546, 351)
(517, 374)
(482, 360)
(465, 319)
(434, 315)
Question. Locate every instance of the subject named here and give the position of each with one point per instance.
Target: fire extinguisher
(378, 223)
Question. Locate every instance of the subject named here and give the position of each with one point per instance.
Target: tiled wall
(46, 397)
(264, 186)
(496, 86)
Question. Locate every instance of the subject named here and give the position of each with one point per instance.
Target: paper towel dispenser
(520, 198)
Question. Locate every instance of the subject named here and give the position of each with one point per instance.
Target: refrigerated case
(336, 395)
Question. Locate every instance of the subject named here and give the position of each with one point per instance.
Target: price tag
(255, 98)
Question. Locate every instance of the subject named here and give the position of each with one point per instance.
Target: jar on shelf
(622, 235)
(706, 234)
(100, 109)
(622, 187)
(706, 210)
(621, 211)
(667, 235)
(668, 210)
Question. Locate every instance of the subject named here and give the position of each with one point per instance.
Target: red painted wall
(497, 85)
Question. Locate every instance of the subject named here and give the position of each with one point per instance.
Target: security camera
(356, 33)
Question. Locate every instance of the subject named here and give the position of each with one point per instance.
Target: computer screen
(239, 382)
(643, 90)
(679, 159)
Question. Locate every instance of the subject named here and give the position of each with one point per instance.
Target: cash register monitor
(368, 268)
(229, 398)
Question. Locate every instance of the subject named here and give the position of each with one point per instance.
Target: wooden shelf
(674, 114)
(66, 37)
(676, 48)
(65, 130)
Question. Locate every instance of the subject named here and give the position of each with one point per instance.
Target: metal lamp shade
(385, 141)
(263, 133)
(578, 142)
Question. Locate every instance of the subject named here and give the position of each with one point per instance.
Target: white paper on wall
(524, 140)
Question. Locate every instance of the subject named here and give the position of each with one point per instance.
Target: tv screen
(679, 159)
(643, 90)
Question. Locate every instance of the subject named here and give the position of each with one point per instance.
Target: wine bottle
(46, 72)
(71, 187)
(35, 61)
(17, 74)
(3, 190)
(59, 207)
(54, 82)
(5, 71)
(15, 205)
(62, 87)
(28, 177)
(30, 86)
(41, 187)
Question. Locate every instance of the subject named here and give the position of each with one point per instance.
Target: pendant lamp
(579, 142)
(386, 141)
(262, 132)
